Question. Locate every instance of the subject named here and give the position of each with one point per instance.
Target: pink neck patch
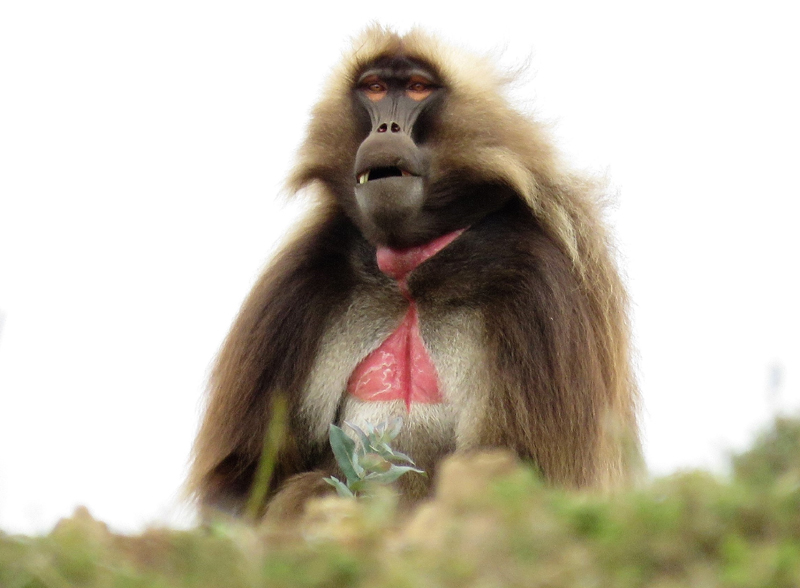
(401, 369)
(398, 263)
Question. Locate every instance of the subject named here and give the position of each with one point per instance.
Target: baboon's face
(396, 100)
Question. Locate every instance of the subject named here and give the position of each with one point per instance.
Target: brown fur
(524, 315)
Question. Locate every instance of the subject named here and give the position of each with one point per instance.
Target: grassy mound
(491, 523)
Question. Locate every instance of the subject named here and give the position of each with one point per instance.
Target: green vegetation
(491, 524)
(369, 462)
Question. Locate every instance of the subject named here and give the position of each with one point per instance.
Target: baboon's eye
(419, 88)
(374, 88)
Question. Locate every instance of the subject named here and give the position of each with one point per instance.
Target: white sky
(143, 146)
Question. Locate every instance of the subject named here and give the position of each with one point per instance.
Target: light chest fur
(430, 431)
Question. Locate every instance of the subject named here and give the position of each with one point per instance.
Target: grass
(492, 523)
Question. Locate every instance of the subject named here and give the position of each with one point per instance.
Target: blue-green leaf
(393, 429)
(392, 475)
(343, 449)
(341, 489)
(362, 436)
(397, 455)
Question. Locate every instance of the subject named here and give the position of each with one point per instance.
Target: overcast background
(143, 147)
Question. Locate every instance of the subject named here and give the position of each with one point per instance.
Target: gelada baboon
(452, 272)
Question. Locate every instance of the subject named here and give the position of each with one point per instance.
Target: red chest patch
(400, 368)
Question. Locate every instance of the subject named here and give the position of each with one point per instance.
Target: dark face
(398, 203)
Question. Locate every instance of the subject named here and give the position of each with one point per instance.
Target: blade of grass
(273, 440)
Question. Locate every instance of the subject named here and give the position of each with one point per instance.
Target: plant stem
(273, 440)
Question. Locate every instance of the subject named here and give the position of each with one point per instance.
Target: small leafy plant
(369, 462)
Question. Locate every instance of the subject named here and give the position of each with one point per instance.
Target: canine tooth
(362, 179)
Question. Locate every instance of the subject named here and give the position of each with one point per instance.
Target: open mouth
(382, 172)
